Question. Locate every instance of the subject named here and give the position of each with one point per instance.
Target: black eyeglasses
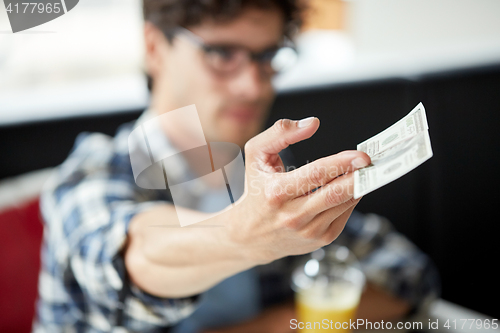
(231, 59)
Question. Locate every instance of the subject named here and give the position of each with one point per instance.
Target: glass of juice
(328, 288)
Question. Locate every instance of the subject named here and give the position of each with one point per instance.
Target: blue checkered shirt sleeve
(87, 206)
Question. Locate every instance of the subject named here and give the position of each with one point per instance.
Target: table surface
(441, 312)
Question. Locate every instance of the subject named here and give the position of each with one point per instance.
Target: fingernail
(305, 122)
(359, 163)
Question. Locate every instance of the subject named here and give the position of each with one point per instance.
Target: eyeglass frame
(258, 57)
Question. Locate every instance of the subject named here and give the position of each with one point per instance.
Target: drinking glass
(328, 287)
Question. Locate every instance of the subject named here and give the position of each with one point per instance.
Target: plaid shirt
(87, 205)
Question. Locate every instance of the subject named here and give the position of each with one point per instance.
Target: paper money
(394, 152)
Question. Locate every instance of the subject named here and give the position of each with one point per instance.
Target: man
(105, 264)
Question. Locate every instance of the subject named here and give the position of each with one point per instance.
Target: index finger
(322, 171)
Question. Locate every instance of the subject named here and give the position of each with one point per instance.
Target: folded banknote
(394, 152)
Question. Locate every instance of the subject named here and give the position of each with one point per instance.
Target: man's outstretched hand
(278, 215)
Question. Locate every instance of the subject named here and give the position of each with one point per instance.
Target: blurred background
(363, 64)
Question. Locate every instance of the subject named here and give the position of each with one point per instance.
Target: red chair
(21, 233)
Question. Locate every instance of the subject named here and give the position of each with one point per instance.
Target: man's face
(232, 107)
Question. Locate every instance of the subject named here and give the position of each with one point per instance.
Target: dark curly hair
(168, 14)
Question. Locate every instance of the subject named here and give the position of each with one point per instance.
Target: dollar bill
(394, 152)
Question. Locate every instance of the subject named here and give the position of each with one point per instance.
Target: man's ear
(155, 46)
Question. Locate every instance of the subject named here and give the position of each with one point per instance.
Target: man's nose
(249, 83)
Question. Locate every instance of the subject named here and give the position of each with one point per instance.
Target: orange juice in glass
(328, 288)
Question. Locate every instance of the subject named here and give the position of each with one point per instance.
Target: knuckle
(282, 125)
(351, 201)
(274, 199)
(291, 223)
(333, 231)
(275, 196)
(327, 239)
(334, 195)
(306, 213)
(310, 233)
(329, 236)
(315, 175)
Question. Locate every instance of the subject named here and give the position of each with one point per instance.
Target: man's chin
(238, 133)
(237, 137)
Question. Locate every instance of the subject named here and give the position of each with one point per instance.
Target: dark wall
(34, 146)
(462, 204)
(447, 206)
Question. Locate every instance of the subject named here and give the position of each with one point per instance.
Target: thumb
(283, 133)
